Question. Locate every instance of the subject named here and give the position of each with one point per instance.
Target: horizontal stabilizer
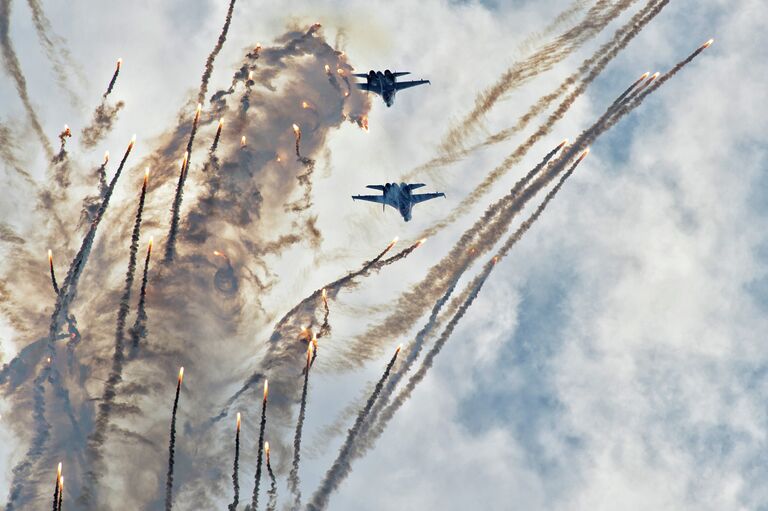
(401, 73)
(361, 75)
(414, 186)
(376, 187)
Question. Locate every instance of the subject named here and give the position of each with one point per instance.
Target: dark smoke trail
(236, 468)
(325, 328)
(97, 437)
(56, 488)
(170, 246)
(61, 494)
(262, 427)
(341, 465)
(414, 350)
(216, 138)
(139, 329)
(172, 446)
(272, 502)
(11, 62)
(114, 78)
(214, 53)
(67, 293)
(53, 273)
(297, 133)
(101, 172)
(294, 482)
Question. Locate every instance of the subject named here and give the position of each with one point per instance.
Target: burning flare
(106, 157)
(583, 154)
(146, 175)
(707, 44)
(238, 421)
(181, 373)
(421, 242)
(119, 64)
(296, 130)
(266, 451)
(266, 390)
(242, 141)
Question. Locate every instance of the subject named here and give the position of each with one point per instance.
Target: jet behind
(385, 84)
(398, 196)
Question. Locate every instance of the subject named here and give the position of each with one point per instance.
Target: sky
(614, 360)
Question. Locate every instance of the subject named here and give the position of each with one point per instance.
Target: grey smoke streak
(12, 65)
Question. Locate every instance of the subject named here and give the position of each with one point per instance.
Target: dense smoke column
(13, 67)
(172, 446)
(170, 246)
(236, 468)
(139, 329)
(262, 427)
(272, 502)
(294, 482)
(214, 53)
(97, 437)
(341, 466)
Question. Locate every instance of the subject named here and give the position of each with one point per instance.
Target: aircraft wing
(367, 87)
(421, 197)
(370, 198)
(412, 83)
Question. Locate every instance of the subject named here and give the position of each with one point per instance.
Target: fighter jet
(398, 196)
(385, 84)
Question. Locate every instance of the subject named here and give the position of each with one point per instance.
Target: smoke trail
(61, 493)
(104, 118)
(236, 468)
(97, 437)
(53, 273)
(114, 79)
(56, 488)
(139, 330)
(596, 63)
(12, 65)
(412, 304)
(172, 446)
(214, 53)
(272, 502)
(44, 30)
(68, 291)
(294, 482)
(593, 23)
(414, 350)
(341, 465)
(262, 427)
(101, 173)
(325, 328)
(170, 246)
(603, 124)
(369, 437)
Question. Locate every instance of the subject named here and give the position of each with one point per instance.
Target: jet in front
(399, 196)
(385, 84)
